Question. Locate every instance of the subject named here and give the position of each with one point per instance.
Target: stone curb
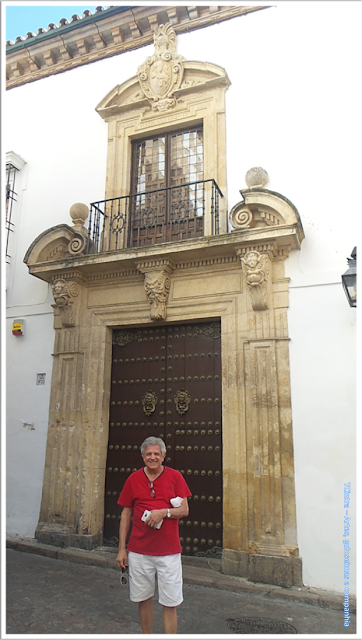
(194, 575)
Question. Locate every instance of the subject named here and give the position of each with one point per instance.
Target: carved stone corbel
(157, 286)
(256, 267)
(65, 295)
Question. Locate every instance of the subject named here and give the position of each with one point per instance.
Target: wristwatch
(168, 513)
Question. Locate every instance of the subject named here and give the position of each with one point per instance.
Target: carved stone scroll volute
(65, 295)
(157, 286)
(256, 268)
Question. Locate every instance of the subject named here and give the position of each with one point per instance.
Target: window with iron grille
(167, 187)
(11, 194)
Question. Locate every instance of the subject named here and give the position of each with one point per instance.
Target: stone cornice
(103, 35)
(15, 160)
(206, 251)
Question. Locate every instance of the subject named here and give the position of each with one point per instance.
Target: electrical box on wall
(18, 328)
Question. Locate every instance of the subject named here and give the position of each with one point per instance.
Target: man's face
(153, 457)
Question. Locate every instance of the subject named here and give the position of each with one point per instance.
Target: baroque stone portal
(236, 278)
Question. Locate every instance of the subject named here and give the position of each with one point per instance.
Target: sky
(21, 19)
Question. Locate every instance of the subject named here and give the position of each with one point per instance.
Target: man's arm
(124, 526)
(160, 514)
(181, 511)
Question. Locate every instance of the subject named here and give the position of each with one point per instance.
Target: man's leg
(145, 611)
(170, 620)
(169, 570)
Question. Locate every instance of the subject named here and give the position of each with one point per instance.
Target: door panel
(177, 369)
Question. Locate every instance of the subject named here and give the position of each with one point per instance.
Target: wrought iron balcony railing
(155, 216)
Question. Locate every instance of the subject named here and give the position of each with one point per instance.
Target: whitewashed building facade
(292, 107)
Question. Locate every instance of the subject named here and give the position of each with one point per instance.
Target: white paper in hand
(176, 502)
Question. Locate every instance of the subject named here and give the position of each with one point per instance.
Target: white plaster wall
(323, 371)
(294, 109)
(27, 403)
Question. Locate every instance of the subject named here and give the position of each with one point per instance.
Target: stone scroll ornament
(149, 401)
(78, 213)
(77, 245)
(64, 294)
(182, 400)
(255, 267)
(240, 216)
(162, 73)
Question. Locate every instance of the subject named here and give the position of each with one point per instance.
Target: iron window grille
(10, 199)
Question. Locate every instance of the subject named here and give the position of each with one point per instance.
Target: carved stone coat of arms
(162, 73)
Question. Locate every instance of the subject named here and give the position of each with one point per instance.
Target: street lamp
(349, 279)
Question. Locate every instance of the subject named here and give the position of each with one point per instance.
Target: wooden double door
(166, 382)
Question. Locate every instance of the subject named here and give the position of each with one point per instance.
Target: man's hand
(122, 559)
(155, 517)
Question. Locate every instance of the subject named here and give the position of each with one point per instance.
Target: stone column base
(61, 536)
(281, 571)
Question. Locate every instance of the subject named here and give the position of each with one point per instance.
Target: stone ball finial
(256, 178)
(79, 213)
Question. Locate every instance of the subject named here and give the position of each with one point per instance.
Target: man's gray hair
(152, 441)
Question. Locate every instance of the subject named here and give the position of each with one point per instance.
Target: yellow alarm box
(17, 328)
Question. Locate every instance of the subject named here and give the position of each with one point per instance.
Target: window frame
(161, 192)
(199, 101)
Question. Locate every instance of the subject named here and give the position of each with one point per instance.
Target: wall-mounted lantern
(349, 279)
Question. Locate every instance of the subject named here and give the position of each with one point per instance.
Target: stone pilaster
(61, 509)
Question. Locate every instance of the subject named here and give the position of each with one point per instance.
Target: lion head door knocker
(182, 400)
(149, 401)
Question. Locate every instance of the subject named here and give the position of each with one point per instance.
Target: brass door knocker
(182, 400)
(149, 401)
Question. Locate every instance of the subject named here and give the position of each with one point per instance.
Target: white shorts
(142, 572)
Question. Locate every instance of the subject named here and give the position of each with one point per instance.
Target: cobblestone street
(50, 596)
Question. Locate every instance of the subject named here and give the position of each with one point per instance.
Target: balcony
(153, 217)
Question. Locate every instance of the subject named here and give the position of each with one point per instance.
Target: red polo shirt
(136, 494)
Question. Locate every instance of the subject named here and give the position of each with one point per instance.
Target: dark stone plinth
(297, 572)
(235, 563)
(274, 570)
(60, 537)
(271, 570)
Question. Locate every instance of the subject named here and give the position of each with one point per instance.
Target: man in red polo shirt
(154, 545)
